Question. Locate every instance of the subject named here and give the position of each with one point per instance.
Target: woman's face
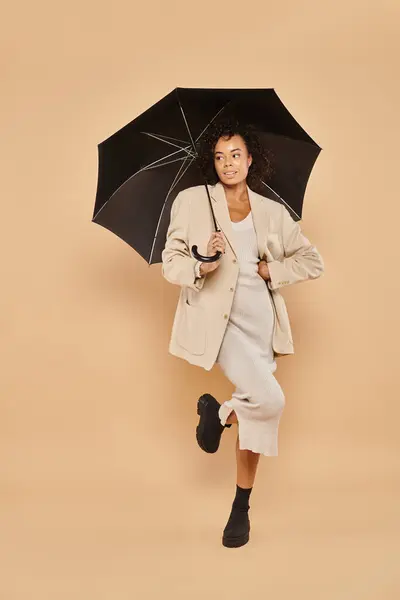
(231, 160)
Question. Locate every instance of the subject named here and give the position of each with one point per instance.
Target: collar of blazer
(221, 213)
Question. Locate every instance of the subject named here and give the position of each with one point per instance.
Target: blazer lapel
(221, 213)
(260, 221)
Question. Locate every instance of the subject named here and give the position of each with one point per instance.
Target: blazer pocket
(191, 333)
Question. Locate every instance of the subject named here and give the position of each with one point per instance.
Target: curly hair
(261, 167)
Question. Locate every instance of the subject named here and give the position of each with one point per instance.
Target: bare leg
(237, 529)
(246, 465)
(232, 418)
(246, 461)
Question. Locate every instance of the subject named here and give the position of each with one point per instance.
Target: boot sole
(235, 542)
(202, 404)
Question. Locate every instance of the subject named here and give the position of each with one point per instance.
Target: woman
(231, 312)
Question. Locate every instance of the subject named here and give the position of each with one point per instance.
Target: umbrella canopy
(144, 165)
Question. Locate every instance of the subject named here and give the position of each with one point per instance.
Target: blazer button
(225, 316)
(231, 289)
(234, 260)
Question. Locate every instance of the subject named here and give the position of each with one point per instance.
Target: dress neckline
(244, 224)
(243, 220)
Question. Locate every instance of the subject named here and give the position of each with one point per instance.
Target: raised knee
(271, 404)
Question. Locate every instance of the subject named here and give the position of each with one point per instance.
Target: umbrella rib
(158, 160)
(173, 184)
(213, 119)
(186, 123)
(160, 138)
(169, 137)
(206, 127)
(280, 197)
(146, 167)
(170, 162)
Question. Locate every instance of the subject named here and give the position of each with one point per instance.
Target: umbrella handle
(207, 259)
(217, 256)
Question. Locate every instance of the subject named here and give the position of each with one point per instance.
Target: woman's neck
(236, 193)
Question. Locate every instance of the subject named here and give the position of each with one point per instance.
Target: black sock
(241, 500)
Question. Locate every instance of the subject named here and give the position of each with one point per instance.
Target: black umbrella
(144, 165)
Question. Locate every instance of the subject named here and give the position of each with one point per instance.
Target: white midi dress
(246, 355)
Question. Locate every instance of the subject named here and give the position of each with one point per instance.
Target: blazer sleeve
(178, 266)
(302, 260)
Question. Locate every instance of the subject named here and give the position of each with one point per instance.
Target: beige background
(104, 492)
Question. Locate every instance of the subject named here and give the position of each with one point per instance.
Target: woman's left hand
(263, 270)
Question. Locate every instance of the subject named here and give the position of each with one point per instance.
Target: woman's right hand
(216, 244)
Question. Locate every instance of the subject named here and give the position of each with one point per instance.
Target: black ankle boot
(209, 429)
(237, 529)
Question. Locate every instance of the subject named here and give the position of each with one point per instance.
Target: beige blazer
(204, 304)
